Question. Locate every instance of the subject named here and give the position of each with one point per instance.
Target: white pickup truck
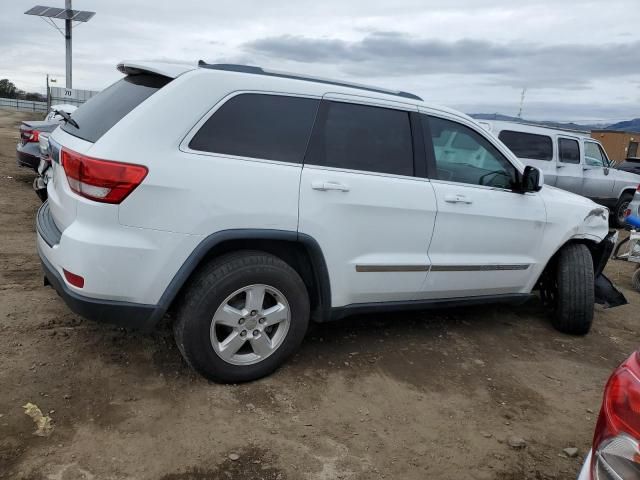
(572, 161)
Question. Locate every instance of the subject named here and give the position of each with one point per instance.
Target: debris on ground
(43, 422)
(516, 443)
(571, 452)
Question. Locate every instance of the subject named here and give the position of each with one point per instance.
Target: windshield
(100, 113)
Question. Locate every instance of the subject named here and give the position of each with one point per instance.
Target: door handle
(324, 186)
(458, 198)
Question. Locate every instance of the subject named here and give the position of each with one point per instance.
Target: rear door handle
(458, 198)
(324, 186)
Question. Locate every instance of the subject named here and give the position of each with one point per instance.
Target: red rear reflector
(73, 279)
(101, 180)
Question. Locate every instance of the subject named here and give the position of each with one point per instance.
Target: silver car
(572, 161)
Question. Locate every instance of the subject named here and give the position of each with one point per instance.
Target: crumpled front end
(606, 293)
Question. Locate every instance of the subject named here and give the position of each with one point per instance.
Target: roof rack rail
(231, 67)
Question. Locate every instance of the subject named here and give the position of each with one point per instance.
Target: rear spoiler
(169, 70)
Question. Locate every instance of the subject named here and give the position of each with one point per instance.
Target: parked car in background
(28, 149)
(631, 165)
(615, 452)
(44, 168)
(634, 206)
(273, 198)
(571, 161)
(54, 112)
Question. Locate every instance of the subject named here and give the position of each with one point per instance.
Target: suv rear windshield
(103, 111)
(528, 145)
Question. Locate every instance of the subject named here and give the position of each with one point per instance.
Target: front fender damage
(606, 293)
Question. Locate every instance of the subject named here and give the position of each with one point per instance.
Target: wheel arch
(300, 251)
(627, 190)
(595, 248)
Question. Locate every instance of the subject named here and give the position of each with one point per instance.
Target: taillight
(29, 136)
(101, 180)
(616, 443)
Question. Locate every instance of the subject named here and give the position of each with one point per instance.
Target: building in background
(69, 96)
(618, 145)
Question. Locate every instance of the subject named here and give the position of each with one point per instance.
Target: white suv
(248, 201)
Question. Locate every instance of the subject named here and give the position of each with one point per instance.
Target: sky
(579, 60)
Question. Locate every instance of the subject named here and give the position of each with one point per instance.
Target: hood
(624, 176)
(559, 195)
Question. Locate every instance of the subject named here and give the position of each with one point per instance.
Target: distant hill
(627, 126)
(543, 123)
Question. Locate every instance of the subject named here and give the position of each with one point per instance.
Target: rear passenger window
(359, 137)
(271, 127)
(568, 150)
(528, 145)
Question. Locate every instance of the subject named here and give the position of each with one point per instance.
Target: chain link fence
(23, 105)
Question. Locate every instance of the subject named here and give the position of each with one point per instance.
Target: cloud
(384, 54)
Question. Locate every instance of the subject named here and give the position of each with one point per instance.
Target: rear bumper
(26, 159)
(124, 314)
(111, 269)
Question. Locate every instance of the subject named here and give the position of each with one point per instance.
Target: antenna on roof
(524, 91)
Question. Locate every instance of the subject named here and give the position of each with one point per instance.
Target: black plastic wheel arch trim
(319, 265)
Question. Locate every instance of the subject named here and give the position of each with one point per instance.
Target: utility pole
(524, 91)
(67, 41)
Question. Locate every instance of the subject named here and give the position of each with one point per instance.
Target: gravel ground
(411, 396)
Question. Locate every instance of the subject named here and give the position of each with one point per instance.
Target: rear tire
(574, 302)
(618, 214)
(206, 320)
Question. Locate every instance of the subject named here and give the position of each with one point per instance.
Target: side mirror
(532, 179)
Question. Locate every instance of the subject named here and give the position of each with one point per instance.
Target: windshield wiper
(67, 118)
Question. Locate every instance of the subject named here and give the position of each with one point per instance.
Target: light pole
(69, 16)
(67, 42)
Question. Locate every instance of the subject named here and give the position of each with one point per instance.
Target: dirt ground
(411, 396)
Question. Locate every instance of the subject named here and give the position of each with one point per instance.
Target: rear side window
(528, 145)
(359, 137)
(103, 111)
(271, 127)
(568, 150)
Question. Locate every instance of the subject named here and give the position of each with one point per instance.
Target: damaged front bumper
(606, 292)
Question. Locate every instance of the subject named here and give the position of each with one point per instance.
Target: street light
(69, 16)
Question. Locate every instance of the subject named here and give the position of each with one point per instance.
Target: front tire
(574, 296)
(242, 316)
